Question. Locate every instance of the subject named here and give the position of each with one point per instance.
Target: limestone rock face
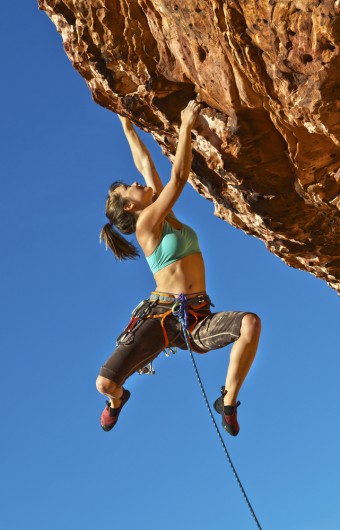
(266, 148)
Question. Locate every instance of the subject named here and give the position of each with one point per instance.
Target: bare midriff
(186, 275)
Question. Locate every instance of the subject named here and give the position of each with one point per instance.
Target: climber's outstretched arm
(141, 156)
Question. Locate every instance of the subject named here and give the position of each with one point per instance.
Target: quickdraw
(139, 314)
(149, 369)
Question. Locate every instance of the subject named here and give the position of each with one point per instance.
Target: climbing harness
(198, 301)
(144, 311)
(180, 310)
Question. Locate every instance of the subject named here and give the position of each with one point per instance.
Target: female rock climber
(172, 251)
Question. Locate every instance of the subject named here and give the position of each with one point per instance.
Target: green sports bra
(174, 245)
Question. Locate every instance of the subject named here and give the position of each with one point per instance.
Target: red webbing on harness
(163, 316)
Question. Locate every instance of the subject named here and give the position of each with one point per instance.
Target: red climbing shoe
(229, 419)
(109, 416)
(229, 414)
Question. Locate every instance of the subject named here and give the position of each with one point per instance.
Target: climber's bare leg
(242, 356)
(111, 390)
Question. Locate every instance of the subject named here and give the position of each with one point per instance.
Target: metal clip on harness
(138, 315)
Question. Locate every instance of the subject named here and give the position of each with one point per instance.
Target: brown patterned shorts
(135, 350)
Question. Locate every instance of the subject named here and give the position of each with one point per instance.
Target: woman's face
(137, 196)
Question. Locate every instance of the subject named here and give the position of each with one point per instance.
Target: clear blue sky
(64, 300)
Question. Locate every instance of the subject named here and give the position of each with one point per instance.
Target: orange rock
(266, 149)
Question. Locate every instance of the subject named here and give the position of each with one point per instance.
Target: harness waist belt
(168, 298)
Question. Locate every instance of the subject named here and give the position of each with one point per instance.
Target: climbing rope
(180, 311)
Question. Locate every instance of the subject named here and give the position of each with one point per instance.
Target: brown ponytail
(124, 221)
